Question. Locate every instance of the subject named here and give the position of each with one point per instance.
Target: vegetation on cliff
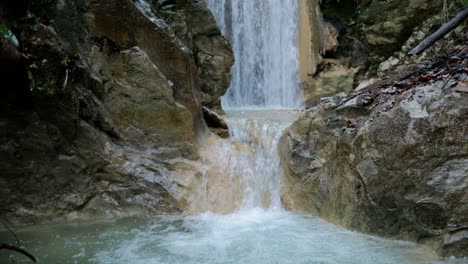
(94, 85)
(387, 156)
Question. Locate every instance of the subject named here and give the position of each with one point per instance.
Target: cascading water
(262, 132)
(243, 172)
(263, 34)
(242, 175)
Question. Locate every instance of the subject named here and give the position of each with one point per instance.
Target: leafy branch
(166, 6)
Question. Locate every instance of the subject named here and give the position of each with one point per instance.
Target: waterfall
(264, 36)
(244, 172)
(261, 130)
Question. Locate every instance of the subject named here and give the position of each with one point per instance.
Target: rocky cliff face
(355, 41)
(319, 76)
(104, 108)
(391, 161)
(196, 27)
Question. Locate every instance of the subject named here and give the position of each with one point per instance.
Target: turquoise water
(253, 236)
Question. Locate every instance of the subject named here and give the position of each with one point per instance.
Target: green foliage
(65, 61)
(377, 8)
(166, 6)
(446, 7)
(343, 10)
(6, 32)
(38, 85)
(169, 6)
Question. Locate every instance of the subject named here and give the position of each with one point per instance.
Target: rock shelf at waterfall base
(253, 231)
(390, 159)
(167, 131)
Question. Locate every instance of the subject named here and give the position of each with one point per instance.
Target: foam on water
(242, 177)
(247, 236)
(244, 171)
(264, 37)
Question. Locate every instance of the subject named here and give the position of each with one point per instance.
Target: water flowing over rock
(264, 37)
(244, 171)
(107, 109)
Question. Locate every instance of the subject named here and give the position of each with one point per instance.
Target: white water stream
(254, 236)
(244, 171)
(264, 37)
(243, 221)
(246, 224)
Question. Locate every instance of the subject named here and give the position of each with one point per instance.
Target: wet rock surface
(363, 40)
(393, 164)
(196, 26)
(105, 117)
(216, 123)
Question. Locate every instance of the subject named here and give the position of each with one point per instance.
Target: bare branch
(444, 30)
(19, 250)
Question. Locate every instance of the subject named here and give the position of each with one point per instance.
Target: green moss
(377, 8)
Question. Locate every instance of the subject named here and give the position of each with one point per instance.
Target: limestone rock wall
(355, 41)
(196, 27)
(394, 166)
(102, 112)
(398, 169)
(316, 38)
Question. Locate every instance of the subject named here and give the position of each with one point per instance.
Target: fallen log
(444, 30)
(19, 250)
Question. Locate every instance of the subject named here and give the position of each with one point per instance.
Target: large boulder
(382, 26)
(105, 116)
(140, 100)
(331, 78)
(194, 24)
(397, 168)
(350, 42)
